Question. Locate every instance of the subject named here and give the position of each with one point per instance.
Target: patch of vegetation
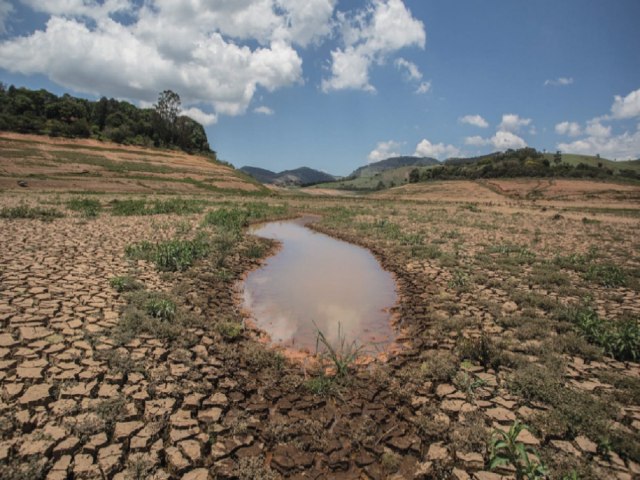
(230, 330)
(620, 338)
(27, 212)
(128, 207)
(153, 313)
(573, 411)
(235, 219)
(482, 350)
(607, 275)
(161, 308)
(321, 385)
(440, 365)
(171, 255)
(177, 206)
(88, 207)
(125, 283)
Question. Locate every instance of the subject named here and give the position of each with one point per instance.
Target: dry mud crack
(77, 404)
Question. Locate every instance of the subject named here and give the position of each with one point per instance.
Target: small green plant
(341, 356)
(161, 308)
(468, 383)
(505, 449)
(482, 350)
(459, 280)
(320, 385)
(125, 284)
(229, 330)
(88, 207)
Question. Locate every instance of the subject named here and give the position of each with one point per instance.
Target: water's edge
(284, 300)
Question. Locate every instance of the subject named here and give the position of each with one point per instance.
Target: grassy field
(124, 353)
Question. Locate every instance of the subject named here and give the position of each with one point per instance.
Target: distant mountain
(302, 176)
(391, 163)
(260, 174)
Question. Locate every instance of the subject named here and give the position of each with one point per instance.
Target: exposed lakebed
(317, 282)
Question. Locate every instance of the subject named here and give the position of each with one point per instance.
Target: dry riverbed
(509, 312)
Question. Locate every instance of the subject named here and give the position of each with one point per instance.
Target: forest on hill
(526, 162)
(41, 112)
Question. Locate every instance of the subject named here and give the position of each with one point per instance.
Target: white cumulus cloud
(568, 128)
(512, 123)
(384, 150)
(369, 36)
(504, 140)
(596, 129)
(438, 150)
(599, 137)
(475, 120)
(625, 146)
(200, 116)
(626, 107)
(216, 53)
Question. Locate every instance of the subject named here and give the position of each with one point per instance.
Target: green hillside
(594, 161)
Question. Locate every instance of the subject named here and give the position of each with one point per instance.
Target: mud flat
(102, 381)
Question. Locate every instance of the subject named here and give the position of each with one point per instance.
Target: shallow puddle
(317, 282)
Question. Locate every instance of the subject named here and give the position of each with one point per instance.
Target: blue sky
(335, 84)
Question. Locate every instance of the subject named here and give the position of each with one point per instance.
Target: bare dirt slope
(46, 163)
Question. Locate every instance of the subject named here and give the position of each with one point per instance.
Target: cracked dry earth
(78, 404)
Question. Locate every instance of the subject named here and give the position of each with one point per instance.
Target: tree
(414, 176)
(168, 106)
(167, 110)
(557, 158)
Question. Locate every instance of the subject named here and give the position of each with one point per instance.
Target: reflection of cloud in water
(335, 319)
(314, 277)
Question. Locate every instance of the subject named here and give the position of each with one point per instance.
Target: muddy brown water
(317, 282)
